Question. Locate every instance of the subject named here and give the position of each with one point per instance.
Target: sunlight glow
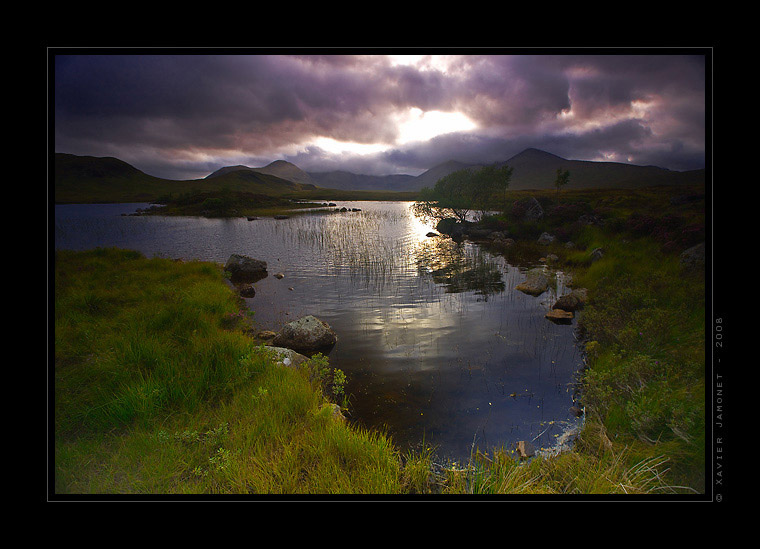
(418, 125)
(334, 146)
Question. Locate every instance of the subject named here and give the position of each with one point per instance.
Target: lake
(438, 347)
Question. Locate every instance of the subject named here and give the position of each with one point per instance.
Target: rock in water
(245, 269)
(573, 301)
(525, 449)
(305, 335)
(535, 284)
(559, 316)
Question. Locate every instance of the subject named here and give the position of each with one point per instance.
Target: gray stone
(536, 283)
(597, 254)
(245, 269)
(247, 290)
(307, 334)
(694, 257)
(534, 211)
(336, 412)
(286, 357)
(545, 238)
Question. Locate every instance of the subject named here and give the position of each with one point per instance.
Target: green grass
(158, 390)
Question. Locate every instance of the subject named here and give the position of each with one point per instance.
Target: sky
(182, 115)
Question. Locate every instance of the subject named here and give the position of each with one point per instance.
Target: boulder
(446, 226)
(245, 269)
(536, 283)
(305, 335)
(694, 257)
(525, 449)
(279, 276)
(546, 239)
(286, 357)
(559, 316)
(597, 254)
(431, 233)
(335, 411)
(533, 211)
(576, 411)
(572, 301)
(247, 290)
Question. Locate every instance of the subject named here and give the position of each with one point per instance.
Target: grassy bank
(644, 331)
(158, 389)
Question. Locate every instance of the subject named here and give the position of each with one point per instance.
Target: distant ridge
(351, 181)
(279, 168)
(537, 169)
(108, 179)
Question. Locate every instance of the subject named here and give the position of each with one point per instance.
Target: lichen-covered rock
(559, 316)
(307, 334)
(573, 301)
(286, 357)
(535, 284)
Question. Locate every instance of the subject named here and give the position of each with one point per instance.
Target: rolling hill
(533, 169)
(93, 179)
(536, 169)
(278, 168)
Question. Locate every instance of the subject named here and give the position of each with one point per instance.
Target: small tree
(563, 178)
(464, 190)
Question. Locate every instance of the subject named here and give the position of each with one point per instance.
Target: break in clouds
(184, 116)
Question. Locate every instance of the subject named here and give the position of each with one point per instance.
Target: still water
(439, 348)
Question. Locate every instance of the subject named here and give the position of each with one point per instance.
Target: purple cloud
(183, 116)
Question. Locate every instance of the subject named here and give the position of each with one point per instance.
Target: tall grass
(155, 392)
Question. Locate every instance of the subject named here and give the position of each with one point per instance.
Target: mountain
(278, 168)
(430, 177)
(92, 179)
(106, 179)
(536, 169)
(533, 169)
(351, 181)
(397, 182)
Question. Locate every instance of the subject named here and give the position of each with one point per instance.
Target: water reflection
(436, 342)
(459, 268)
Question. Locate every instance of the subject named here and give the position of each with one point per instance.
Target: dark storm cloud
(183, 116)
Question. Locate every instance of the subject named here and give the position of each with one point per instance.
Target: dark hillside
(91, 179)
(535, 169)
